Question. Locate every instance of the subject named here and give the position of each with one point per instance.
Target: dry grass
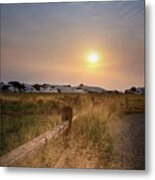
(90, 143)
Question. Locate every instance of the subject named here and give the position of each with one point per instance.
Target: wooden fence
(32, 146)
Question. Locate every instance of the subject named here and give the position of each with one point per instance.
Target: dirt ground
(129, 142)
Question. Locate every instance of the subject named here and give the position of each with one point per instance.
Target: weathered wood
(26, 149)
(32, 146)
(67, 115)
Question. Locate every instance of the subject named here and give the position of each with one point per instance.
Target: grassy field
(25, 116)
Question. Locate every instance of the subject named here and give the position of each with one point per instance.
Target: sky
(52, 42)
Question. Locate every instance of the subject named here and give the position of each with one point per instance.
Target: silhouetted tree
(17, 85)
(133, 89)
(37, 87)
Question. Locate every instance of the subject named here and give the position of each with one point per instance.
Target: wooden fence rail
(32, 146)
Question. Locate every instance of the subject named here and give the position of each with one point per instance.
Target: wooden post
(67, 115)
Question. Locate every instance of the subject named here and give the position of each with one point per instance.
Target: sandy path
(129, 142)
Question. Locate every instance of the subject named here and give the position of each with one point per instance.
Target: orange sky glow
(52, 43)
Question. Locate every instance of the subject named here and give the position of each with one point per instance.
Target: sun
(93, 58)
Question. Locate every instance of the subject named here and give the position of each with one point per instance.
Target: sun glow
(93, 58)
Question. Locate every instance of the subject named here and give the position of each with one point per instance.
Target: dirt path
(129, 142)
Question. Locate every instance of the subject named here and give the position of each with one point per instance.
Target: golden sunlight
(93, 58)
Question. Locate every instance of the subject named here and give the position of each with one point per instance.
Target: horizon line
(66, 84)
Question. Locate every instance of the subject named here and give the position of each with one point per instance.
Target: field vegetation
(90, 144)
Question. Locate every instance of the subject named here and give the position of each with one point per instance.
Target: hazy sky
(51, 42)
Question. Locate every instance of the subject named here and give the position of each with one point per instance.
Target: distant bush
(133, 89)
(37, 87)
(5, 88)
(17, 85)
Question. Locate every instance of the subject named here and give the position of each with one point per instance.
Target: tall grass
(25, 116)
